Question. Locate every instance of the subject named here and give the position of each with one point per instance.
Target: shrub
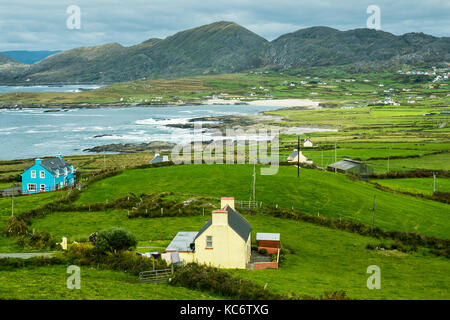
(87, 254)
(15, 227)
(262, 251)
(115, 239)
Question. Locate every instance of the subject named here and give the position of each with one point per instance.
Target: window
(42, 187)
(61, 184)
(65, 171)
(42, 174)
(209, 242)
(57, 173)
(32, 187)
(33, 174)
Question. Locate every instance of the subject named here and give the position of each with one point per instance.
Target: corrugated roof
(182, 241)
(268, 236)
(345, 164)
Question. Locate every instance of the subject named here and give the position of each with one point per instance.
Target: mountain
(28, 57)
(215, 48)
(323, 46)
(226, 47)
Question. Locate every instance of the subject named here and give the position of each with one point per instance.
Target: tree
(115, 239)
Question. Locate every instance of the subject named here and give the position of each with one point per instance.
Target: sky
(42, 24)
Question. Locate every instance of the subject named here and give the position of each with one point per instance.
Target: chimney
(220, 217)
(227, 201)
(59, 155)
(38, 161)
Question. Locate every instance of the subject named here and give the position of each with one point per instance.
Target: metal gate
(243, 204)
(155, 276)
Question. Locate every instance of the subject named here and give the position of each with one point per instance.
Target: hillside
(323, 46)
(217, 48)
(226, 47)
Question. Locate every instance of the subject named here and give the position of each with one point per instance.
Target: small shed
(158, 158)
(351, 166)
(268, 241)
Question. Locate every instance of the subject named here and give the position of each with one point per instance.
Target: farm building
(268, 241)
(293, 157)
(308, 143)
(351, 166)
(158, 158)
(48, 175)
(224, 241)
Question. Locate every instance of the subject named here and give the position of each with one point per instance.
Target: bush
(115, 239)
(262, 251)
(15, 227)
(88, 255)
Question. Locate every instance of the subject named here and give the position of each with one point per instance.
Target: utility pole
(298, 157)
(104, 158)
(254, 183)
(434, 182)
(373, 211)
(322, 159)
(335, 156)
(12, 199)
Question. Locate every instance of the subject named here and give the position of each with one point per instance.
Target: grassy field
(416, 185)
(49, 283)
(326, 193)
(324, 259)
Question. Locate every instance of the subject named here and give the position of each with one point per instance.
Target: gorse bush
(216, 281)
(203, 278)
(115, 239)
(14, 227)
(128, 261)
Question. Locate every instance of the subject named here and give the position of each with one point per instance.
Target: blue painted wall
(51, 180)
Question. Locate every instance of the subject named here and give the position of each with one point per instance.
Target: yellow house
(223, 242)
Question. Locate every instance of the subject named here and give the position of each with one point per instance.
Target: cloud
(41, 25)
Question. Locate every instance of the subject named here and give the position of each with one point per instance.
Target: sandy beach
(281, 103)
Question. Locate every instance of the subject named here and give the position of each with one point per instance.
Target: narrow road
(24, 255)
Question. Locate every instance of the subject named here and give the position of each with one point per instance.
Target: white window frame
(42, 187)
(65, 171)
(32, 185)
(33, 174)
(61, 184)
(209, 241)
(42, 174)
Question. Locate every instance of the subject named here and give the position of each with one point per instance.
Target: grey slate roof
(238, 223)
(345, 164)
(182, 241)
(55, 164)
(294, 154)
(156, 160)
(235, 221)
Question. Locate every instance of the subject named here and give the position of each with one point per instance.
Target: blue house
(48, 175)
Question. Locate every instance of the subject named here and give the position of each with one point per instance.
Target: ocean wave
(163, 122)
